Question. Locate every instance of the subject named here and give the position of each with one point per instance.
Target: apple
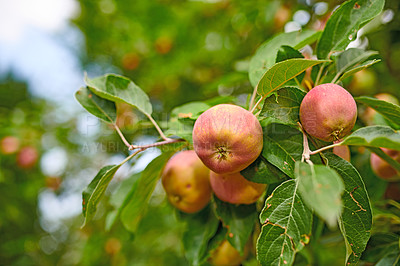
(342, 151)
(235, 189)
(370, 116)
(225, 255)
(382, 168)
(9, 145)
(186, 182)
(27, 157)
(364, 82)
(393, 191)
(227, 138)
(328, 112)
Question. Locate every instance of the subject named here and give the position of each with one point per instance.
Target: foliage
(318, 210)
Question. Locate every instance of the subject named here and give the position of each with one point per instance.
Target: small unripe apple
(27, 157)
(186, 181)
(364, 82)
(9, 145)
(382, 168)
(235, 189)
(226, 255)
(227, 138)
(328, 112)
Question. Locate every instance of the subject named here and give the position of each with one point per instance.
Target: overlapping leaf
(133, 211)
(389, 110)
(99, 107)
(200, 229)
(356, 218)
(284, 106)
(320, 188)
(95, 190)
(118, 88)
(359, 67)
(262, 171)
(374, 136)
(265, 55)
(282, 72)
(344, 23)
(286, 226)
(239, 220)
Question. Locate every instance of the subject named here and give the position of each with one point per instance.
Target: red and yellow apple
(27, 157)
(235, 189)
(328, 112)
(186, 182)
(227, 138)
(9, 145)
(382, 168)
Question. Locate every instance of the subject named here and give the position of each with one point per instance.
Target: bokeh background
(175, 50)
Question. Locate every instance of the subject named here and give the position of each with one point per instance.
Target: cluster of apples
(226, 139)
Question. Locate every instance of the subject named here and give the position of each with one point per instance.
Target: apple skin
(225, 255)
(9, 145)
(227, 138)
(328, 112)
(381, 168)
(235, 189)
(27, 157)
(186, 181)
(343, 152)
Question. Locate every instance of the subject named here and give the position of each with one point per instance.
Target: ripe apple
(235, 189)
(186, 181)
(227, 138)
(328, 112)
(343, 152)
(225, 255)
(381, 168)
(9, 145)
(27, 157)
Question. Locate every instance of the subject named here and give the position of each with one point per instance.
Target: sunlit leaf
(99, 107)
(118, 88)
(265, 55)
(95, 190)
(374, 136)
(389, 110)
(133, 211)
(344, 23)
(321, 188)
(286, 226)
(282, 72)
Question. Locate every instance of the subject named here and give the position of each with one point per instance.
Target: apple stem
(253, 97)
(325, 148)
(306, 149)
(319, 74)
(121, 136)
(157, 127)
(258, 102)
(160, 143)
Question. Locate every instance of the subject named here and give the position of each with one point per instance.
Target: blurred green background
(175, 50)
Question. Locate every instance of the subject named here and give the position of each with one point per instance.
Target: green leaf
(381, 245)
(133, 211)
(321, 188)
(284, 106)
(101, 108)
(278, 156)
(239, 220)
(190, 110)
(200, 229)
(389, 110)
(95, 190)
(262, 171)
(360, 67)
(344, 23)
(118, 88)
(286, 226)
(287, 52)
(120, 198)
(265, 55)
(282, 72)
(356, 218)
(350, 58)
(374, 136)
